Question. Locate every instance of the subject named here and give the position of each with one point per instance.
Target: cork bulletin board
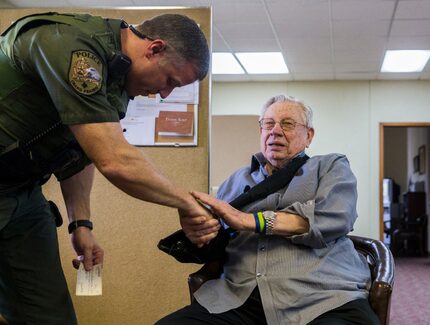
(172, 121)
(140, 284)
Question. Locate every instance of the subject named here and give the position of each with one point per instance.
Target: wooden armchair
(381, 264)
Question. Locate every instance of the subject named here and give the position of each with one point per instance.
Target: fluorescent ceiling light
(225, 63)
(263, 62)
(405, 61)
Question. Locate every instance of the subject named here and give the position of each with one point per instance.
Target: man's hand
(198, 224)
(236, 219)
(85, 245)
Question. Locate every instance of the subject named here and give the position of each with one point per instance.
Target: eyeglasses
(285, 124)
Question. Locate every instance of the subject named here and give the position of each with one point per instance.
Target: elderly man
(65, 81)
(291, 262)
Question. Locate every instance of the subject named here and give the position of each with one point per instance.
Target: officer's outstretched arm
(130, 170)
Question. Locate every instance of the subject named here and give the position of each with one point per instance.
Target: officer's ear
(156, 46)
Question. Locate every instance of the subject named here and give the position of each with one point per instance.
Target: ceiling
(319, 39)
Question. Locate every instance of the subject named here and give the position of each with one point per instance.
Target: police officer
(65, 80)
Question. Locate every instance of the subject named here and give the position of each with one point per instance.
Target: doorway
(401, 147)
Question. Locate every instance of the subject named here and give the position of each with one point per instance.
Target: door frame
(382, 125)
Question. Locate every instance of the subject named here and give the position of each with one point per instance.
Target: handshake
(200, 224)
(202, 238)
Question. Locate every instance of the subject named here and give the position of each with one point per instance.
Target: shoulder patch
(85, 73)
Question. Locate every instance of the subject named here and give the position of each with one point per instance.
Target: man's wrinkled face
(279, 146)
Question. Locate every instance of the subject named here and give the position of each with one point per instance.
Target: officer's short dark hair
(183, 35)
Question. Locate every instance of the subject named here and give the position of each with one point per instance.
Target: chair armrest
(380, 300)
(209, 271)
(381, 263)
(379, 257)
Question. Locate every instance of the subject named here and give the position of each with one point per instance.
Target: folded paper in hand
(89, 283)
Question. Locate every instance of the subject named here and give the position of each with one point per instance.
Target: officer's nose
(166, 92)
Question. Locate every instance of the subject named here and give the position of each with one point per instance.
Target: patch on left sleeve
(85, 73)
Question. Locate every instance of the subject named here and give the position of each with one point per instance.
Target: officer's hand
(199, 224)
(236, 219)
(85, 245)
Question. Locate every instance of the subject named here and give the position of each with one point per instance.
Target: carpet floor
(410, 301)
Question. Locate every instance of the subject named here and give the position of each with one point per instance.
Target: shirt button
(259, 275)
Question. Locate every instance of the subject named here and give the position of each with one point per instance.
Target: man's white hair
(307, 113)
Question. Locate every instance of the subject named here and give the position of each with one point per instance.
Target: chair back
(378, 256)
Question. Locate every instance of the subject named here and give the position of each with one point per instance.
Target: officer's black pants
(33, 289)
(356, 312)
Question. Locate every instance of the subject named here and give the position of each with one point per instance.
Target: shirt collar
(258, 160)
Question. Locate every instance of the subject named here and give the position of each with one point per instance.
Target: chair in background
(395, 214)
(381, 264)
(409, 237)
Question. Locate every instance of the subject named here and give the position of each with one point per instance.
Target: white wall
(237, 138)
(346, 119)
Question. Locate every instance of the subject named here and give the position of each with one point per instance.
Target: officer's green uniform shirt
(59, 54)
(64, 67)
